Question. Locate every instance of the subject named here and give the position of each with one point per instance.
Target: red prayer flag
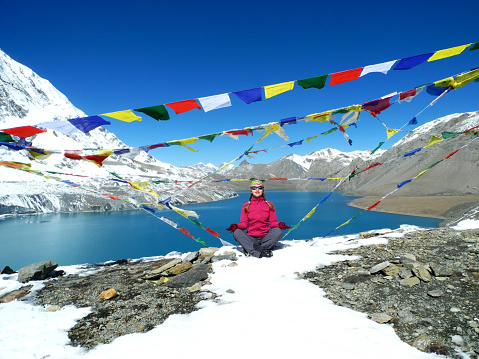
(374, 205)
(277, 179)
(183, 106)
(110, 196)
(209, 230)
(240, 132)
(449, 155)
(345, 76)
(404, 95)
(74, 155)
(97, 159)
(375, 107)
(24, 131)
(185, 231)
(373, 165)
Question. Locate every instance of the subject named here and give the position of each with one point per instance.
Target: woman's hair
(270, 205)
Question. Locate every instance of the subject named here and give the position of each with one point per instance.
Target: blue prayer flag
(410, 62)
(249, 96)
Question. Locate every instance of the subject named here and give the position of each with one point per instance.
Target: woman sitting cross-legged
(259, 217)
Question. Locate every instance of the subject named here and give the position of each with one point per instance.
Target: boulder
(18, 294)
(36, 271)
(379, 267)
(187, 279)
(7, 270)
(208, 252)
(108, 294)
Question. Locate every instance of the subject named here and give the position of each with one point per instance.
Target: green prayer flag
(431, 166)
(5, 137)
(447, 135)
(199, 240)
(209, 137)
(377, 148)
(157, 112)
(316, 82)
(195, 221)
(329, 131)
(160, 182)
(474, 47)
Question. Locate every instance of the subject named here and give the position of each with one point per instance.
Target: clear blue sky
(110, 56)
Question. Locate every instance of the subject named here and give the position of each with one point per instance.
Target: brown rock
(180, 268)
(15, 295)
(108, 294)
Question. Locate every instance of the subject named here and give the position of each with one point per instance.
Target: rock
(454, 310)
(348, 286)
(15, 295)
(379, 267)
(436, 293)
(195, 287)
(7, 270)
(380, 317)
(191, 257)
(157, 273)
(422, 342)
(180, 268)
(36, 271)
(187, 279)
(421, 272)
(405, 272)
(230, 257)
(391, 270)
(53, 308)
(207, 252)
(230, 291)
(364, 235)
(440, 271)
(108, 294)
(409, 282)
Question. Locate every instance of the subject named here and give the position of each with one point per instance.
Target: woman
(258, 216)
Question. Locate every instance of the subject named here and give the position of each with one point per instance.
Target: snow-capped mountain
(28, 99)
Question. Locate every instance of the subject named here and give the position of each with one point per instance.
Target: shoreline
(419, 206)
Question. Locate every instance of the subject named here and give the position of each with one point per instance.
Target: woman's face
(257, 191)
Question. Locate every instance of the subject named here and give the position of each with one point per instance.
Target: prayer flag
(436, 91)
(313, 82)
(209, 230)
(410, 62)
(403, 183)
(474, 47)
(378, 147)
(377, 106)
(157, 112)
(249, 96)
(126, 116)
(185, 232)
(374, 205)
(96, 159)
(74, 155)
(273, 90)
(39, 154)
(453, 51)
(383, 67)
(413, 152)
(215, 102)
(5, 137)
(210, 137)
(86, 124)
(345, 76)
(320, 117)
(465, 78)
(60, 126)
(183, 106)
(289, 120)
(23, 131)
(409, 95)
(452, 153)
(391, 132)
(447, 82)
(413, 121)
(433, 140)
(447, 135)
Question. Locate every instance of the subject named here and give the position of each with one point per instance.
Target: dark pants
(254, 245)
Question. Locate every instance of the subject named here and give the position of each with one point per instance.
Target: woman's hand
(283, 226)
(233, 227)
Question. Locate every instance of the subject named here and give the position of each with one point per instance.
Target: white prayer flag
(383, 67)
(215, 102)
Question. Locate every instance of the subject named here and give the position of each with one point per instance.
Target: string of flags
(209, 103)
(350, 116)
(398, 187)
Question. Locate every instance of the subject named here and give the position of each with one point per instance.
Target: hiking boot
(266, 253)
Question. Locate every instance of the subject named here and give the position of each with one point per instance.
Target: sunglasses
(254, 188)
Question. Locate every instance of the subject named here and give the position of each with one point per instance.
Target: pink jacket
(258, 219)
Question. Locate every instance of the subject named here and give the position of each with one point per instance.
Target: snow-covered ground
(265, 309)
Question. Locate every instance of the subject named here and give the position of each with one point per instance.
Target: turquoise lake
(78, 238)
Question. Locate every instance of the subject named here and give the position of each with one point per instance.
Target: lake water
(78, 238)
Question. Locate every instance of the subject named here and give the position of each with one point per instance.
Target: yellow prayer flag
(391, 132)
(153, 193)
(464, 79)
(181, 213)
(433, 140)
(343, 224)
(311, 138)
(309, 214)
(142, 186)
(40, 156)
(441, 54)
(420, 174)
(126, 116)
(105, 152)
(320, 117)
(445, 82)
(273, 90)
